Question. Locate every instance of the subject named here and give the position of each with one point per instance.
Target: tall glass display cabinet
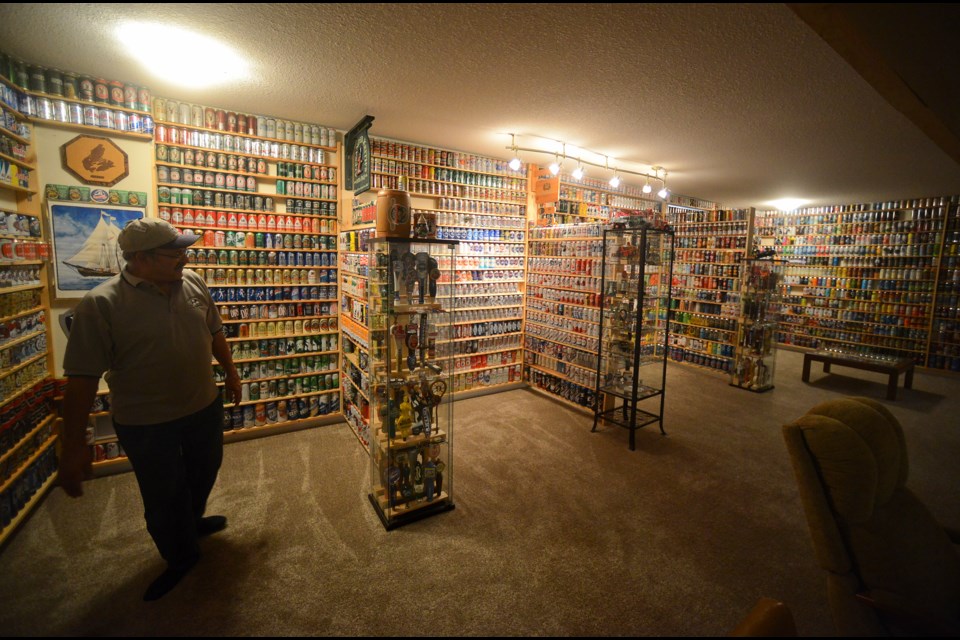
(755, 355)
(637, 269)
(411, 434)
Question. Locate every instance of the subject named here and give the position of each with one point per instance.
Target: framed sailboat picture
(85, 250)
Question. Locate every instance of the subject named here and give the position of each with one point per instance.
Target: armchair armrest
(906, 618)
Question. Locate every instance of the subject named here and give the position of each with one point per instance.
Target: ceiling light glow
(787, 204)
(185, 57)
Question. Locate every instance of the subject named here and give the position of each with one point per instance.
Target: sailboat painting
(85, 244)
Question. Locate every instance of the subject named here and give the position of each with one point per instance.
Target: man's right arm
(75, 456)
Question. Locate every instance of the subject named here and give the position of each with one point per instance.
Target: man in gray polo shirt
(152, 332)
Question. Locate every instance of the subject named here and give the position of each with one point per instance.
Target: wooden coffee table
(892, 367)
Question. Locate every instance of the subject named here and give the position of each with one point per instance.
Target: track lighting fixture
(615, 181)
(555, 165)
(515, 163)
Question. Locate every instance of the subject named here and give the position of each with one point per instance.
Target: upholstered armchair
(891, 568)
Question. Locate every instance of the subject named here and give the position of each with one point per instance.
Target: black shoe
(169, 579)
(210, 524)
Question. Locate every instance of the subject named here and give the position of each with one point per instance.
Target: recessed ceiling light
(184, 57)
(787, 204)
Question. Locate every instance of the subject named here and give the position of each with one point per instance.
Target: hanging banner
(547, 186)
(356, 157)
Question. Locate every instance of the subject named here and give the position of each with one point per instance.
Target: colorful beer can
(85, 88)
(143, 99)
(130, 96)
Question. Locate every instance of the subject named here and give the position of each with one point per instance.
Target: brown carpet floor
(556, 531)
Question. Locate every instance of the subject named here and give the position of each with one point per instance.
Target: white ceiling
(740, 103)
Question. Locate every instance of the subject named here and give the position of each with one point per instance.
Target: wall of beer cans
(28, 460)
(262, 194)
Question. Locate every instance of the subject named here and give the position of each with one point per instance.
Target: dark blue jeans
(176, 464)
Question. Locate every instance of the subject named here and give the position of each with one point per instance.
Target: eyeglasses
(179, 255)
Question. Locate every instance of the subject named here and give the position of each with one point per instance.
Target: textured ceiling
(740, 103)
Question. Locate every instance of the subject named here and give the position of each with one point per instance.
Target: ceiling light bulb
(578, 172)
(515, 163)
(646, 186)
(555, 165)
(615, 181)
(663, 193)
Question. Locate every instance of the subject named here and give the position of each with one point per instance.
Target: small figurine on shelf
(405, 419)
(424, 224)
(406, 479)
(412, 340)
(408, 262)
(399, 334)
(437, 389)
(427, 274)
(759, 375)
(440, 467)
(392, 483)
(429, 478)
(388, 414)
(398, 275)
(417, 464)
(738, 371)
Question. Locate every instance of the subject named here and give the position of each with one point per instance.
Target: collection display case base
(393, 517)
(761, 390)
(621, 417)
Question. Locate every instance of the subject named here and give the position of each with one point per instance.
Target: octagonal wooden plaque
(95, 160)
